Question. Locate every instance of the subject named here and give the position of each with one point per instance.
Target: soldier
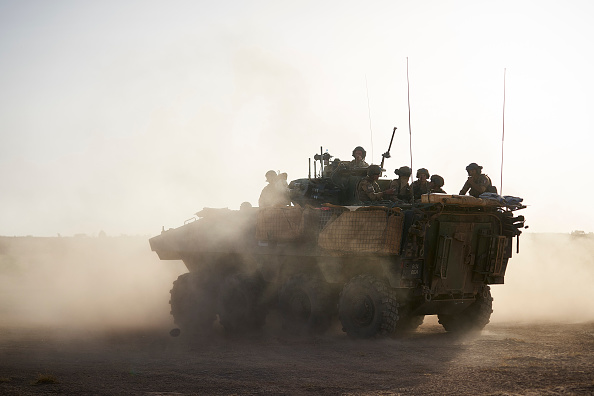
(282, 189)
(276, 192)
(281, 181)
(400, 185)
(359, 154)
(421, 185)
(436, 184)
(477, 182)
(332, 167)
(368, 188)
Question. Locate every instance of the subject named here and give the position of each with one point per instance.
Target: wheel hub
(364, 311)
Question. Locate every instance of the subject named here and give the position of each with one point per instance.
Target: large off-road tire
(307, 305)
(367, 307)
(240, 303)
(193, 303)
(473, 318)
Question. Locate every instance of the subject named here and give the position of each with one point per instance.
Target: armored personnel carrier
(377, 268)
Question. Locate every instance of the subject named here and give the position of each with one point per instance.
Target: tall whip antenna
(502, 137)
(409, 130)
(369, 112)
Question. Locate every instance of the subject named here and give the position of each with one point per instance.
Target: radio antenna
(409, 132)
(369, 112)
(502, 136)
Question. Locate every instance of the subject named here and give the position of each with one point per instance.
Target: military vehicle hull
(378, 269)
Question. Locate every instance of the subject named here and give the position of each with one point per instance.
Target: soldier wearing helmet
(436, 184)
(401, 186)
(275, 193)
(368, 188)
(359, 154)
(421, 185)
(477, 182)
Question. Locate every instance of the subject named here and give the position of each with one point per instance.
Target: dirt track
(65, 304)
(503, 359)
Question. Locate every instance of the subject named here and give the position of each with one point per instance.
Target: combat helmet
(437, 180)
(474, 166)
(270, 175)
(359, 148)
(403, 171)
(374, 170)
(422, 171)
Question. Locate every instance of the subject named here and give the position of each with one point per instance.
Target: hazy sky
(126, 116)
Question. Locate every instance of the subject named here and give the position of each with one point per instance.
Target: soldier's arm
(380, 193)
(369, 191)
(465, 188)
(375, 196)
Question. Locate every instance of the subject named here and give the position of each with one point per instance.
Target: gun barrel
(391, 140)
(387, 153)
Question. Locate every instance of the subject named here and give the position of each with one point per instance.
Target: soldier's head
(404, 172)
(374, 171)
(474, 169)
(359, 152)
(437, 181)
(270, 176)
(422, 174)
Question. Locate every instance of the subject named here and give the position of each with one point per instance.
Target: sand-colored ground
(504, 359)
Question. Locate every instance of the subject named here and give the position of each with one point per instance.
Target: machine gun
(387, 153)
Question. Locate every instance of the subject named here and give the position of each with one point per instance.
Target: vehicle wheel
(240, 304)
(473, 318)
(193, 303)
(306, 305)
(367, 307)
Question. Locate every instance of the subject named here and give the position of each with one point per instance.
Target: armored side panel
(466, 249)
(436, 257)
(219, 233)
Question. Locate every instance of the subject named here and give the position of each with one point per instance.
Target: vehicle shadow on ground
(305, 363)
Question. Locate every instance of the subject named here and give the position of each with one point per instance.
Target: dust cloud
(104, 283)
(84, 283)
(550, 280)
